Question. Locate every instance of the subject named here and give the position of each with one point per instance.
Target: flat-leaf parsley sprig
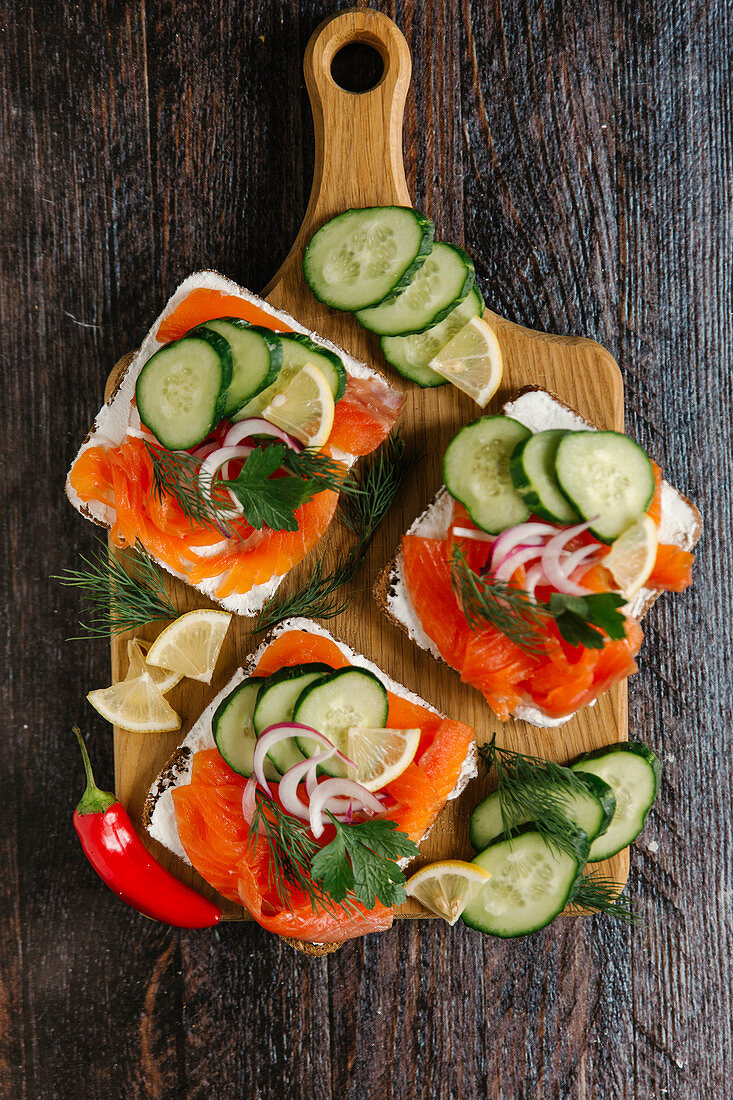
(361, 860)
(370, 497)
(120, 598)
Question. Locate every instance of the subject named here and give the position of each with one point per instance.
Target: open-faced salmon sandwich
(223, 446)
(306, 785)
(529, 571)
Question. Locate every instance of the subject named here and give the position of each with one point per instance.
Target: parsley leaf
(270, 500)
(577, 618)
(361, 859)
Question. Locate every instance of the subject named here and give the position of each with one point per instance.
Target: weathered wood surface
(584, 153)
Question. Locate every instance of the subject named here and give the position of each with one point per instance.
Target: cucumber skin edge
(524, 487)
(406, 277)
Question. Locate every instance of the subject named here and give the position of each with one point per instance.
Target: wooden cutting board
(359, 163)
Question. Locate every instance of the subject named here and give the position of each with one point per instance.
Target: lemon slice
(305, 408)
(446, 888)
(191, 644)
(136, 705)
(163, 679)
(632, 556)
(472, 361)
(380, 755)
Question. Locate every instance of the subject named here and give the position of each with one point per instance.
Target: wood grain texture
(585, 154)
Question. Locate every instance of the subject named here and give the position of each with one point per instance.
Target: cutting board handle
(358, 154)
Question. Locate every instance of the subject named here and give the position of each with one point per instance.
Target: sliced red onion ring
(255, 425)
(249, 803)
(534, 576)
(213, 462)
(525, 534)
(206, 449)
(553, 565)
(469, 533)
(280, 731)
(333, 789)
(513, 560)
(578, 557)
(288, 789)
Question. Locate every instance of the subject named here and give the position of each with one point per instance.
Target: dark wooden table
(584, 153)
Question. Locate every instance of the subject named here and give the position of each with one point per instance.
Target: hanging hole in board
(357, 67)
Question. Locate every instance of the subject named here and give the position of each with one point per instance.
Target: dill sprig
(176, 474)
(370, 498)
(121, 599)
(291, 850)
(536, 790)
(329, 472)
(595, 893)
(495, 603)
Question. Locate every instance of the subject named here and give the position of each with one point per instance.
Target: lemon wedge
(472, 361)
(163, 679)
(191, 644)
(305, 408)
(632, 556)
(447, 887)
(380, 755)
(136, 705)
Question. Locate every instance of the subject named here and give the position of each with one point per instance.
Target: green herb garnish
(598, 894)
(488, 603)
(360, 860)
(533, 789)
(176, 474)
(266, 500)
(580, 620)
(330, 473)
(120, 600)
(370, 497)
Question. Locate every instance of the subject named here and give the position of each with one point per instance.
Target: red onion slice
(525, 534)
(469, 533)
(333, 789)
(514, 559)
(288, 789)
(249, 804)
(281, 731)
(255, 425)
(579, 557)
(534, 576)
(206, 449)
(553, 565)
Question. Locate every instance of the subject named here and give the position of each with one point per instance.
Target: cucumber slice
(531, 883)
(476, 472)
(633, 772)
(605, 474)
(256, 358)
(297, 350)
(410, 355)
(348, 697)
(275, 703)
(234, 732)
(363, 257)
(532, 467)
(440, 285)
(591, 811)
(181, 391)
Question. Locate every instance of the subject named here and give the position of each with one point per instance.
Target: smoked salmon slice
(215, 837)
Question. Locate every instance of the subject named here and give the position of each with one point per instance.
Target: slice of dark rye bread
(538, 409)
(119, 415)
(159, 812)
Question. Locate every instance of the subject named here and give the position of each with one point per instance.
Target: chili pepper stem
(93, 801)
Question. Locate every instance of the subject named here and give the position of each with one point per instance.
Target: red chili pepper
(120, 858)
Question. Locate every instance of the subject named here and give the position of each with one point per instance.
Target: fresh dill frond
(488, 603)
(595, 893)
(316, 599)
(377, 486)
(176, 474)
(537, 790)
(291, 850)
(121, 599)
(362, 510)
(327, 471)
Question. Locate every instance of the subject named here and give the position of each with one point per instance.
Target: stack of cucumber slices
(502, 474)
(226, 368)
(334, 702)
(536, 869)
(383, 265)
